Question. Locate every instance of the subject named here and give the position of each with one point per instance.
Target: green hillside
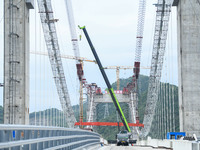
(110, 132)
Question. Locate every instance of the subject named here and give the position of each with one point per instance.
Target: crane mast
(79, 64)
(110, 89)
(138, 50)
(131, 87)
(72, 26)
(139, 39)
(140, 30)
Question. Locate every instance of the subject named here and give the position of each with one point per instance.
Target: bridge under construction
(50, 101)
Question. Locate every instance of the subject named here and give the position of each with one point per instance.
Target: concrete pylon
(188, 12)
(16, 61)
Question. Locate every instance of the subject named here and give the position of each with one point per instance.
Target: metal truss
(72, 29)
(50, 35)
(160, 37)
(91, 111)
(106, 112)
(133, 113)
(140, 29)
(134, 88)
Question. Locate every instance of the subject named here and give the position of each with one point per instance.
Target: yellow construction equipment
(80, 59)
(118, 69)
(64, 56)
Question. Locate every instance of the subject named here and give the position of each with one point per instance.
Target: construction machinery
(118, 70)
(138, 51)
(123, 138)
(51, 40)
(79, 72)
(64, 56)
(110, 89)
(75, 45)
(160, 37)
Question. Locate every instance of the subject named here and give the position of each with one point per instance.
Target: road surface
(113, 147)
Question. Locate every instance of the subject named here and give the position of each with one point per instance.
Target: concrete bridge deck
(114, 147)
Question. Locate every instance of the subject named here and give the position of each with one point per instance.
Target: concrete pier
(16, 61)
(188, 12)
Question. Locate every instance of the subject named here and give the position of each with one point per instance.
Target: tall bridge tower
(16, 61)
(188, 16)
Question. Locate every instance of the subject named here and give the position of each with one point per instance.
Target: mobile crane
(112, 94)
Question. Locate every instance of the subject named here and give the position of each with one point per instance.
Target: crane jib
(113, 96)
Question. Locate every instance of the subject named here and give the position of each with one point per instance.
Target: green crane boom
(112, 94)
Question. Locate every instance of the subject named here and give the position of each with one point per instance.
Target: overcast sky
(112, 28)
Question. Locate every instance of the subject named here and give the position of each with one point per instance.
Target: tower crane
(79, 64)
(118, 70)
(138, 50)
(83, 80)
(64, 56)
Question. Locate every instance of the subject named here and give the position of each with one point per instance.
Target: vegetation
(110, 132)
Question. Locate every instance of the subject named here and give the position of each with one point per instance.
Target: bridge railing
(19, 137)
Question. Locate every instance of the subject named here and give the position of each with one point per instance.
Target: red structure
(125, 91)
(79, 71)
(98, 91)
(107, 124)
(136, 69)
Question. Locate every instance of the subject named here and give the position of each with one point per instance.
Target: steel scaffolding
(160, 37)
(50, 35)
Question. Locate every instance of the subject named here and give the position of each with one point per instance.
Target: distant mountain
(108, 132)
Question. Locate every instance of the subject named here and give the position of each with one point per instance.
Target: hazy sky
(112, 28)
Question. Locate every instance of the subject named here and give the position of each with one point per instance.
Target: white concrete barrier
(165, 143)
(174, 144)
(105, 142)
(182, 145)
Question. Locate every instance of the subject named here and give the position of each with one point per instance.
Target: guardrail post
(34, 136)
(51, 135)
(41, 136)
(46, 134)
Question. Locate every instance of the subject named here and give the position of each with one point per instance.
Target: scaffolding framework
(160, 37)
(106, 111)
(50, 35)
(91, 109)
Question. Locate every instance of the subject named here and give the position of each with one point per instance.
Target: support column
(189, 65)
(16, 61)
